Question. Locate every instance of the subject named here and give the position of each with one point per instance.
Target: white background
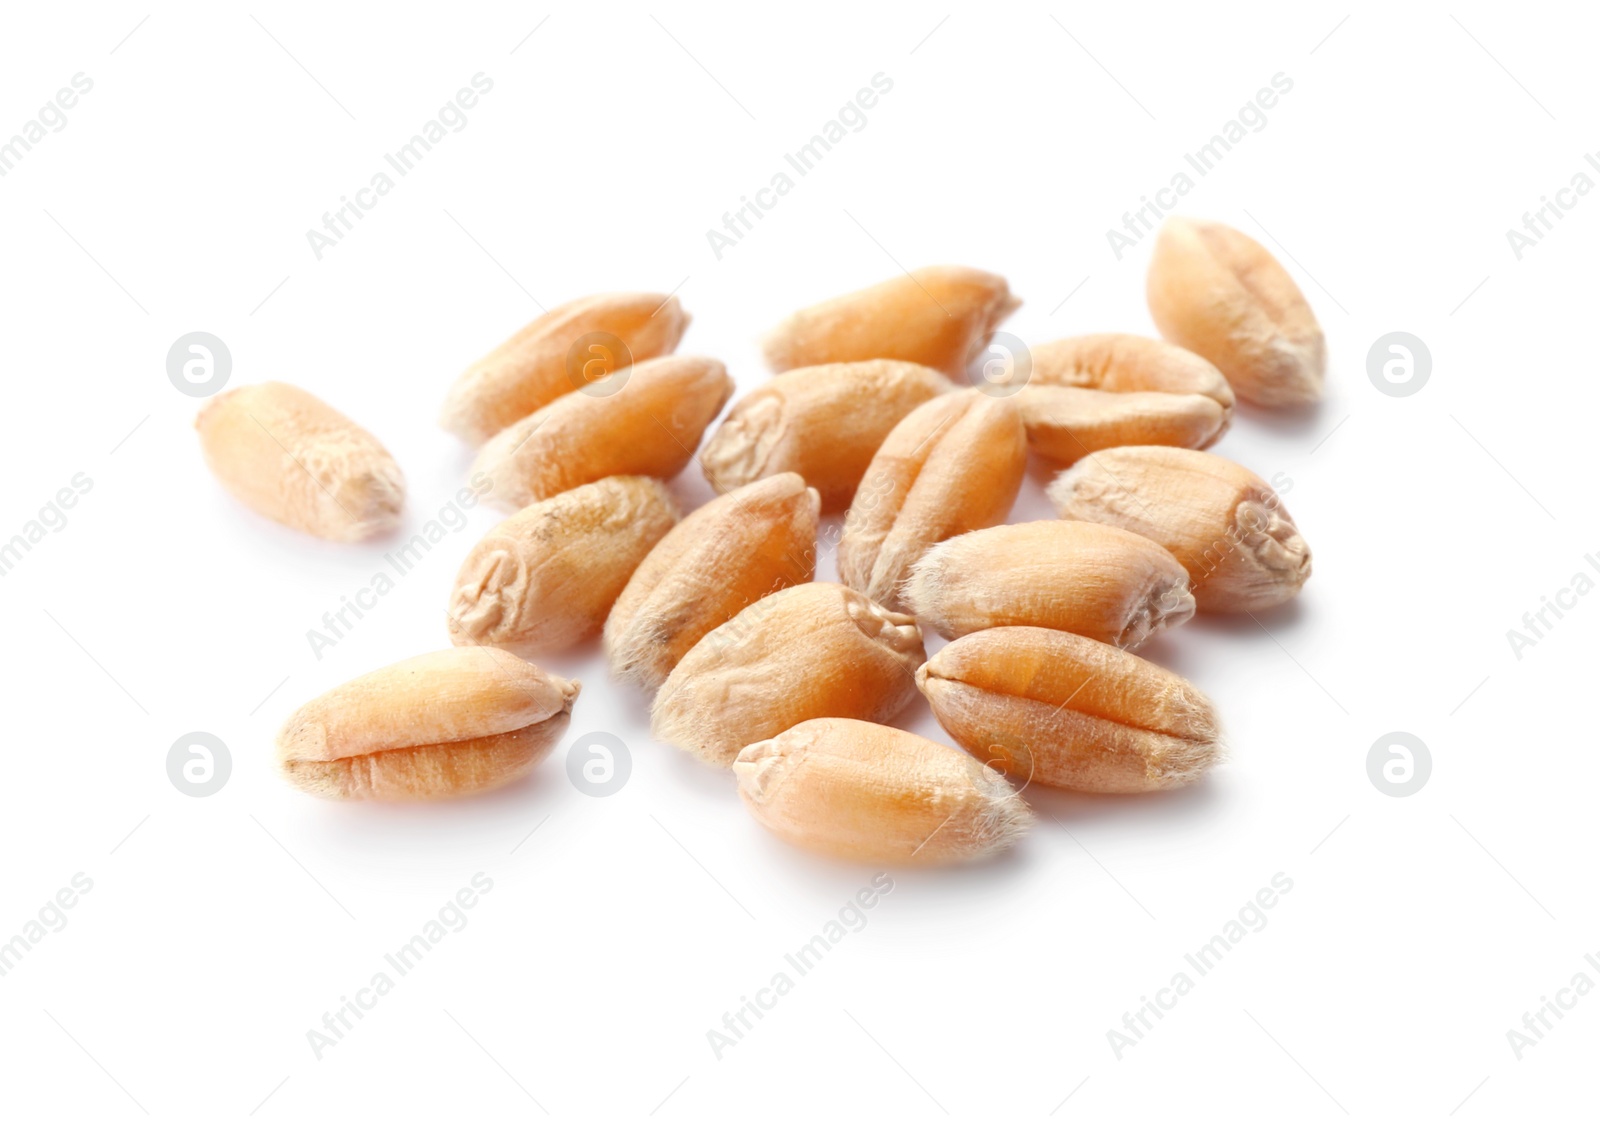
(219, 930)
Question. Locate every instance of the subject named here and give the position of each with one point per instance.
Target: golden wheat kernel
(649, 426)
(545, 578)
(941, 317)
(727, 554)
(1066, 424)
(1127, 363)
(1214, 290)
(546, 358)
(1225, 525)
(823, 422)
(1083, 577)
(816, 650)
(952, 465)
(288, 456)
(1063, 710)
(862, 791)
(444, 724)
